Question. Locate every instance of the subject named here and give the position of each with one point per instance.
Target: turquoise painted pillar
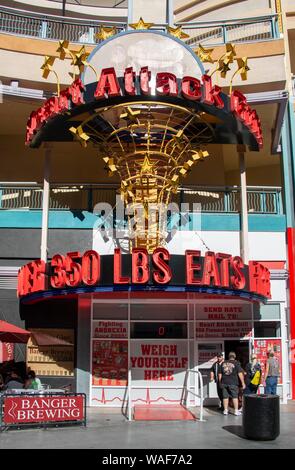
(288, 152)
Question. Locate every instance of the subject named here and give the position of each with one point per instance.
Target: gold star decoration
(47, 66)
(141, 24)
(111, 167)
(63, 49)
(130, 116)
(178, 139)
(79, 59)
(80, 135)
(199, 155)
(243, 67)
(105, 32)
(230, 53)
(204, 54)
(146, 166)
(177, 32)
(223, 67)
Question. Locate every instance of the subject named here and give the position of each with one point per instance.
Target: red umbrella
(12, 334)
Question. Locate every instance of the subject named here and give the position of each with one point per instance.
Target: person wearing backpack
(272, 374)
(229, 373)
(253, 376)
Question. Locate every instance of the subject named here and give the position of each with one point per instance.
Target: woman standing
(252, 376)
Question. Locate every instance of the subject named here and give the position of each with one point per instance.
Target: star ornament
(243, 67)
(105, 33)
(230, 52)
(130, 116)
(146, 166)
(177, 32)
(80, 58)
(80, 135)
(63, 49)
(141, 25)
(205, 54)
(223, 67)
(47, 65)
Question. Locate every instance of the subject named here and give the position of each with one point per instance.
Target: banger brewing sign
(43, 409)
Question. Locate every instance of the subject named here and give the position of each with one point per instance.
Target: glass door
(206, 356)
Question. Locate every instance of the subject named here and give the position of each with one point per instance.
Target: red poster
(109, 362)
(261, 348)
(38, 409)
(6, 352)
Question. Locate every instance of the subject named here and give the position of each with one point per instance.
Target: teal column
(288, 152)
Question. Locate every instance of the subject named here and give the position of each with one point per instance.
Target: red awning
(44, 339)
(12, 334)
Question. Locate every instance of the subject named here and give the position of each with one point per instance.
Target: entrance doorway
(241, 348)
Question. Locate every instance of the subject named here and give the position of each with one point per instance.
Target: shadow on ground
(236, 430)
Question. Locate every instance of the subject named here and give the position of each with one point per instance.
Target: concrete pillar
(244, 231)
(83, 345)
(45, 204)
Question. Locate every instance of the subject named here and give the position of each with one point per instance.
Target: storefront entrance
(241, 348)
(144, 349)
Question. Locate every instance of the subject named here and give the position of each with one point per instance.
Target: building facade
(124, 310)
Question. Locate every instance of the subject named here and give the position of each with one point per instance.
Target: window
(267, 329)
(267, 312)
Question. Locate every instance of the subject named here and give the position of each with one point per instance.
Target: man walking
(214, 378)
(229, 373)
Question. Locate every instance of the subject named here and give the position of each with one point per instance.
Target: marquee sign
(188, 88)
(213, 272)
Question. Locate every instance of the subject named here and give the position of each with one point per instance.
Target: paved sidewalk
(108, 429)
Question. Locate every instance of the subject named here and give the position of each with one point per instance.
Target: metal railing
(236, 31)
(37, 25)
(198, 391)
(84, 197)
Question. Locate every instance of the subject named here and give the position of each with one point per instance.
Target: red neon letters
(248, 116)
(167, 84)
(212, 270)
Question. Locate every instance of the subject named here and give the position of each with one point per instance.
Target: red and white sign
(261, 349)
(223, 312)
(38, 409)
(153, 361)
(226, 329)
(6, 352)
(110, 329)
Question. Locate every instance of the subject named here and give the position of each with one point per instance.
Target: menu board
(55, 360)
(262, 347)
(109, 362)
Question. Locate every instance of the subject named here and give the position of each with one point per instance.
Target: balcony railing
(261, 200)
(36, 25)
(246, 30)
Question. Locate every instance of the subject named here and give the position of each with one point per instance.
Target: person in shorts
(214, 378)
(229, 373)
